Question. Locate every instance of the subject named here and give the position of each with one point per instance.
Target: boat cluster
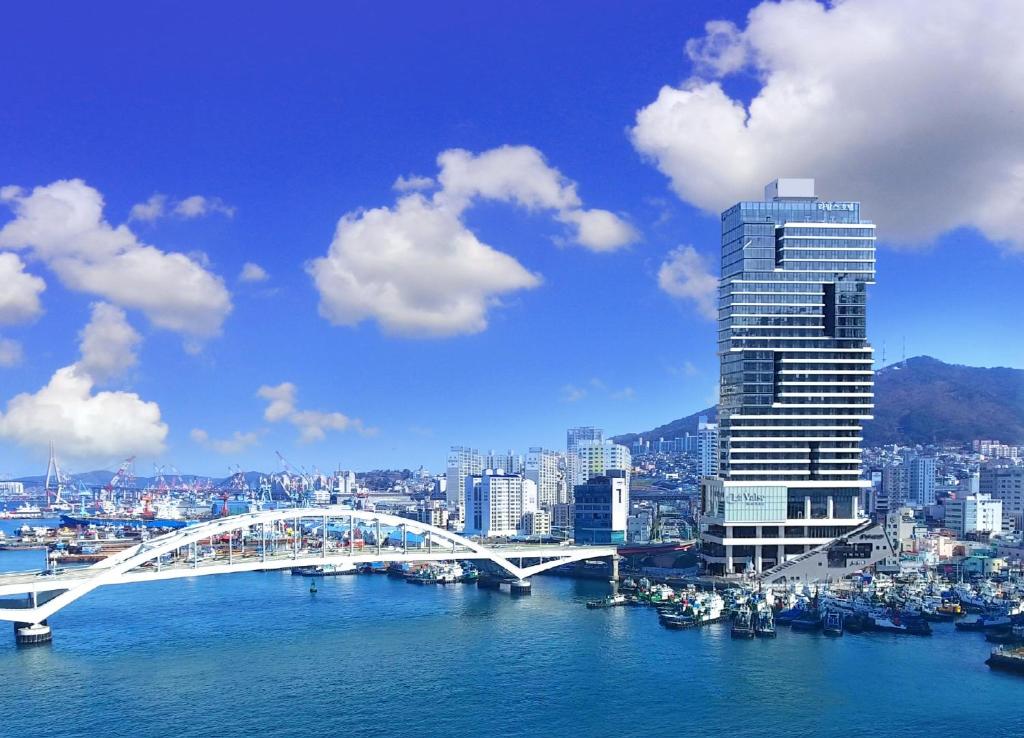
(868, 604)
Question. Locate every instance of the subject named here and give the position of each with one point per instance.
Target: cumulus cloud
(19, 291)
(82, 424)
(912, 107)
(10, 352)
(253, 273)
(418, 270)
(85, 424)
(198, 205)
(237, 443)
(413, 183)
(108, 344)
(311, 424)
(685, 274)
(572, 393)
(148, 211)
(62, 225)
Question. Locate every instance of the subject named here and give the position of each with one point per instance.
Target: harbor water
(258, 654)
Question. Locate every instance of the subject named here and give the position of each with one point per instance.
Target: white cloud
(520, 175)
(62, 223)
(19, 291)
(912, 107)
(413, 183)
(311, 424)
(237, 443)
(10, 352)
(417, 269)
(198, 205)
(81, 424)
(685, 274)
(572, 393)
(155, 207)
(253, 273)
(108, 344)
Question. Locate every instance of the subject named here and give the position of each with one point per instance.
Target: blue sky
(285, 122)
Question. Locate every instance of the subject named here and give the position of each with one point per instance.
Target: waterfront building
(796, 379)
(462, 462)
(974, 514)
(639, 526)
(12, 488)
(601, 509)
(432, 512)
(1005, 482)
(707, 448)
(496, 503)
(921, 480)
(543, 468)
(537, 524)
(562, 516)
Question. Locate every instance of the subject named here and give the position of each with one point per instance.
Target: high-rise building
(921, 480)
(707, 448)
(542, 467)
(595, 458)
(462, 461)
(497, 503)
(974, 514)
(796, 377)
(602, 509)
(573, 438)
(1005, 482)
(509, 461)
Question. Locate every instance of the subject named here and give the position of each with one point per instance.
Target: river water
(258, 654)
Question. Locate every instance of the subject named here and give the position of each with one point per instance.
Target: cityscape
(188, 520)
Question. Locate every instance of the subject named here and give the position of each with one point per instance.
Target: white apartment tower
(543, 469)
(707, 448)
(496, 504)
(462, 461)
(796, 378)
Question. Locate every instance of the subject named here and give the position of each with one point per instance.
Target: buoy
(312, 588)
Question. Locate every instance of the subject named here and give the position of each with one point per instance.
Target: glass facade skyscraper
(796, 377)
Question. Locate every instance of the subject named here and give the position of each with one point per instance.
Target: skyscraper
(796, 377)
(921, 480)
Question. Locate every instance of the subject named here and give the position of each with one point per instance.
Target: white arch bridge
(274, 539)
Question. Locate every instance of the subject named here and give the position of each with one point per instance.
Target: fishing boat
(894, 622)
(764, 622)
(742, 624)
(807, 621)
(612, 600)
(985, 621)
(833, 624)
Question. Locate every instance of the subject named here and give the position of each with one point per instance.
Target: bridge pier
(615, 573)
(520, 587)
(26, 634)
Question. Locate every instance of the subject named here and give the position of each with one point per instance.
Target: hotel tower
(796, 378)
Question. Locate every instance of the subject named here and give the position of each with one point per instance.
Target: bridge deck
(15, 583)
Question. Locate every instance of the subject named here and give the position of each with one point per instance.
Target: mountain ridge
(921, 400)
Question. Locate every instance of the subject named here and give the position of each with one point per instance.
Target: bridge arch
(112, 570)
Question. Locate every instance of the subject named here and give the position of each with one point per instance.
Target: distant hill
(922, 400)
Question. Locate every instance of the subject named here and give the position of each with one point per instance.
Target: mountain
(922, 400)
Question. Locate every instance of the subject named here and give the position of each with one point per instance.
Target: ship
(115, 521)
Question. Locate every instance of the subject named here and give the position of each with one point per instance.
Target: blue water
(258, 654)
